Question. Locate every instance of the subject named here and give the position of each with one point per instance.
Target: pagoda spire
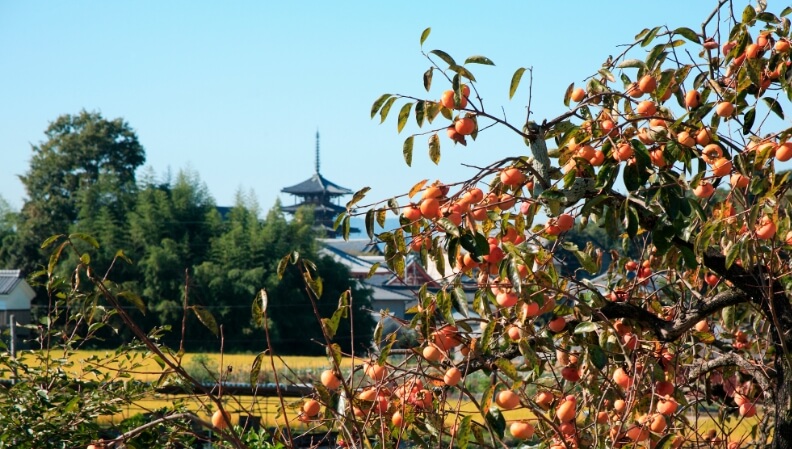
(317, 151)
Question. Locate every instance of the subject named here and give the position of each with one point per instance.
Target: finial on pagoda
(317, 151)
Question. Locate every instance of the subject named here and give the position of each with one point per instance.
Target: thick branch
(672, 330)
(733, 359)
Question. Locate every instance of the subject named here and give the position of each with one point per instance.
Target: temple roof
(317, 184)
(326, 208)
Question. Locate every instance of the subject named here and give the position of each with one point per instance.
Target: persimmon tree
(697, 330)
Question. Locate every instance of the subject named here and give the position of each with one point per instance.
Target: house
(15, 297)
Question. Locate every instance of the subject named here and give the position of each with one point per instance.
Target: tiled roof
(8, 280)
(317, 184)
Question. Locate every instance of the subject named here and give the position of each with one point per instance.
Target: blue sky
(236, 90)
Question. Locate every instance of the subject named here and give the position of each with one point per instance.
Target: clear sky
(236, 90)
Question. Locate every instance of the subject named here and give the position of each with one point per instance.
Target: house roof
(364, 248)
(317, 184)
(9, 280)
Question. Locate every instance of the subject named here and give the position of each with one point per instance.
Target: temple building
(322, 195)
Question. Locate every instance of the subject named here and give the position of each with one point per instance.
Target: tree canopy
(697, 312)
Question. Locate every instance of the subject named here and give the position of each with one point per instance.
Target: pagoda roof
(317, 184)
(318, 208)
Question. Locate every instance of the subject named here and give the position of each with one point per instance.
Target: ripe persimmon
(447, 100)
(724, 109)
(739, 181)
(522, 430)
(220, 419)
(557, 324)
(512, 176)
(565, 411)
(430, 208)
(465, 126)
(411, 212)
(375, 371)
(507, 400)
(647, 84)
(692, 99)
(452, 376)
(432, 353)
(623, 151)
(578, 95)
(766, 229)
(783, 152)
(721, 167)
(646, 108)
(330, 379)
(704, 190)
(311, 407)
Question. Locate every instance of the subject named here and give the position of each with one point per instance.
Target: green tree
(244, 259)
(87, 164)
(702, 315)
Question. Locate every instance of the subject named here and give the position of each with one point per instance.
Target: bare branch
(733, 359)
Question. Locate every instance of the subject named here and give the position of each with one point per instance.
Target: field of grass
(82, 363)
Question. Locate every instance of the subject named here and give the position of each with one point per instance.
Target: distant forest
(177, 246)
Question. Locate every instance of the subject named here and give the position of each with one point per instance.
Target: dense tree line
(167, 240)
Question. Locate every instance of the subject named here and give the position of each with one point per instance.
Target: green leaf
(568, 94)
(727, 315)
(749, 13)
(598, 357)
(748, 121)
(585, 327)
(404, 114)
(334, 351)
(386, 109)
(632, 63)
(515, 81)
(786, 11)
(315, 285)
(774, 106)
(462, 72)
(733, 253)
(448, 226)
(372, 270)
(134, 299)
(259, 308)
(477, 59)
(507, 368)
(649, 36)
(370, 223)
(420, 112)
(667, 442)
(463, 432)
(427, 80)
(85, 238)
(407, 150)
(282, 265)
(434, 148)
(85, 259)
(359, 195)
(378, 104)
(688, 34)
(444, 56)
(425, 34)
(255, 369)
(460, 301)
(496, 421)
(206, 318)
(486, 336)
(51, 240)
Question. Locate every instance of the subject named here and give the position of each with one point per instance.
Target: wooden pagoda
(320, 194)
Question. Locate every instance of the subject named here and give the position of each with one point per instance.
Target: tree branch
(733, 359)
(672, 330)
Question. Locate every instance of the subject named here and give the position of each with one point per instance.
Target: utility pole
(12, 328)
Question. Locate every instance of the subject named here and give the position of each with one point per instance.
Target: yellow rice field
(84, 363)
